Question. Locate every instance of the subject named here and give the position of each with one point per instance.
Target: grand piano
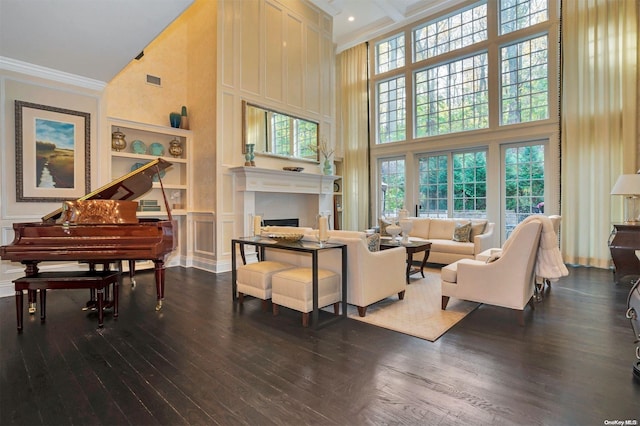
(99, 228)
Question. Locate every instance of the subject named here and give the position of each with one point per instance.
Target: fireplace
(281, 222)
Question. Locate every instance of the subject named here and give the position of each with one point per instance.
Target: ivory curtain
(599, 133)
(354, 133)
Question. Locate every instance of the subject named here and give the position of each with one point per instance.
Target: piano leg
(159, 269)
(132, 272)
(31, 269)
(19, 302)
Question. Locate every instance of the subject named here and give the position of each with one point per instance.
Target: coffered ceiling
(372, 18)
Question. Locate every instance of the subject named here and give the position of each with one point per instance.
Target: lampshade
(627, 185)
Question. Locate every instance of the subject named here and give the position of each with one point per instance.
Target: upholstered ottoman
(293, 288)
(254, 279)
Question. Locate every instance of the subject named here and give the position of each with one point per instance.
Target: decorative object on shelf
(174, 119)
(175, 148)
(138, 147)
(156, 149)
(629, 186)
(293, 169)
(327, 169)
(250, 155)
(336, 187)
(118, 142)
(184, 120)
(175, 200)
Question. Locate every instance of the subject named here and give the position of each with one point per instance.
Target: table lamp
(629, 186)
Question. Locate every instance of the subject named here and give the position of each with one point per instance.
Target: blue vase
(174, 119)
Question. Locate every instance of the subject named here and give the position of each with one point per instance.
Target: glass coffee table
(411, 247)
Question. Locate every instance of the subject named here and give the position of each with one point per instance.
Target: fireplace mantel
(258, 179)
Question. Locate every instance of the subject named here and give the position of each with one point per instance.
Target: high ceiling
(95, 39)
(372, 18)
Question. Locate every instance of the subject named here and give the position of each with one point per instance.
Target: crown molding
(50, 74)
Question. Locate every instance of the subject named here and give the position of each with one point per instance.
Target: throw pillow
(373, 242)
(461, 232)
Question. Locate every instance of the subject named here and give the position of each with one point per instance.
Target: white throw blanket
(549, 263)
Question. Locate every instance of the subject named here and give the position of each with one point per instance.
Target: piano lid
(128, 187)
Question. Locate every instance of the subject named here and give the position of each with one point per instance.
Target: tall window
(524, 183)
(392, 186)
(452, 97)
(391, 110)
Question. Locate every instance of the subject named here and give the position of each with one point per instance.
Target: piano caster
(159, 305)
(32, 308)
(133, 283)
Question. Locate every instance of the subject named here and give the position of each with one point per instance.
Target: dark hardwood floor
(203, 360)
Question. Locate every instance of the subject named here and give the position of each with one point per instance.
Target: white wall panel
(250, 51)
(312, 75)
(226, 44)
(231, 142)
(274, 57)
(295, 61)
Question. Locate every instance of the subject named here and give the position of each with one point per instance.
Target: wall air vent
(152, 79)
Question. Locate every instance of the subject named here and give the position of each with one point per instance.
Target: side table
(411, 247)
(623, 242)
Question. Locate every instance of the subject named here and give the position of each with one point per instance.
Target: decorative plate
(284, 236)
(293, 169)
(156, 149)
(138, 147)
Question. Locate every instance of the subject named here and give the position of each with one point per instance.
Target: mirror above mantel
(277, 134)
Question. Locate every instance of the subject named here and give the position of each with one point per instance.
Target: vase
(118, 142)
(327, 169)
(249, 155)
(174, 119)
(184, 120)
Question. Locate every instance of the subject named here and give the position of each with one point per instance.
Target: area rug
(420, 313)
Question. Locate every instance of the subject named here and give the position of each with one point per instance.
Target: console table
(623, 243)
(299, 246)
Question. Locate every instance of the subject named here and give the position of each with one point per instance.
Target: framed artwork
(52, 153)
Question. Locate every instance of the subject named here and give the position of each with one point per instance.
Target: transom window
(525, 81)
(390, 54)
(458, 30)
(519, 14)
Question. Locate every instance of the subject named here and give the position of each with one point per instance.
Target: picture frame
(53, 153)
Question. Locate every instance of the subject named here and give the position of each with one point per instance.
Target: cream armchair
(508, 281)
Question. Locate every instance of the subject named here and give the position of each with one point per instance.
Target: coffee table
(411, 248)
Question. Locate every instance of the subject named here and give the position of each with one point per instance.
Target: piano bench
(97, 280)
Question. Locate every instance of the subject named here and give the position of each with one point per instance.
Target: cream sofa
(440, 233)
(371, 276)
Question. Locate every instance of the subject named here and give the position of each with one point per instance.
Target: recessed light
(351, 19)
